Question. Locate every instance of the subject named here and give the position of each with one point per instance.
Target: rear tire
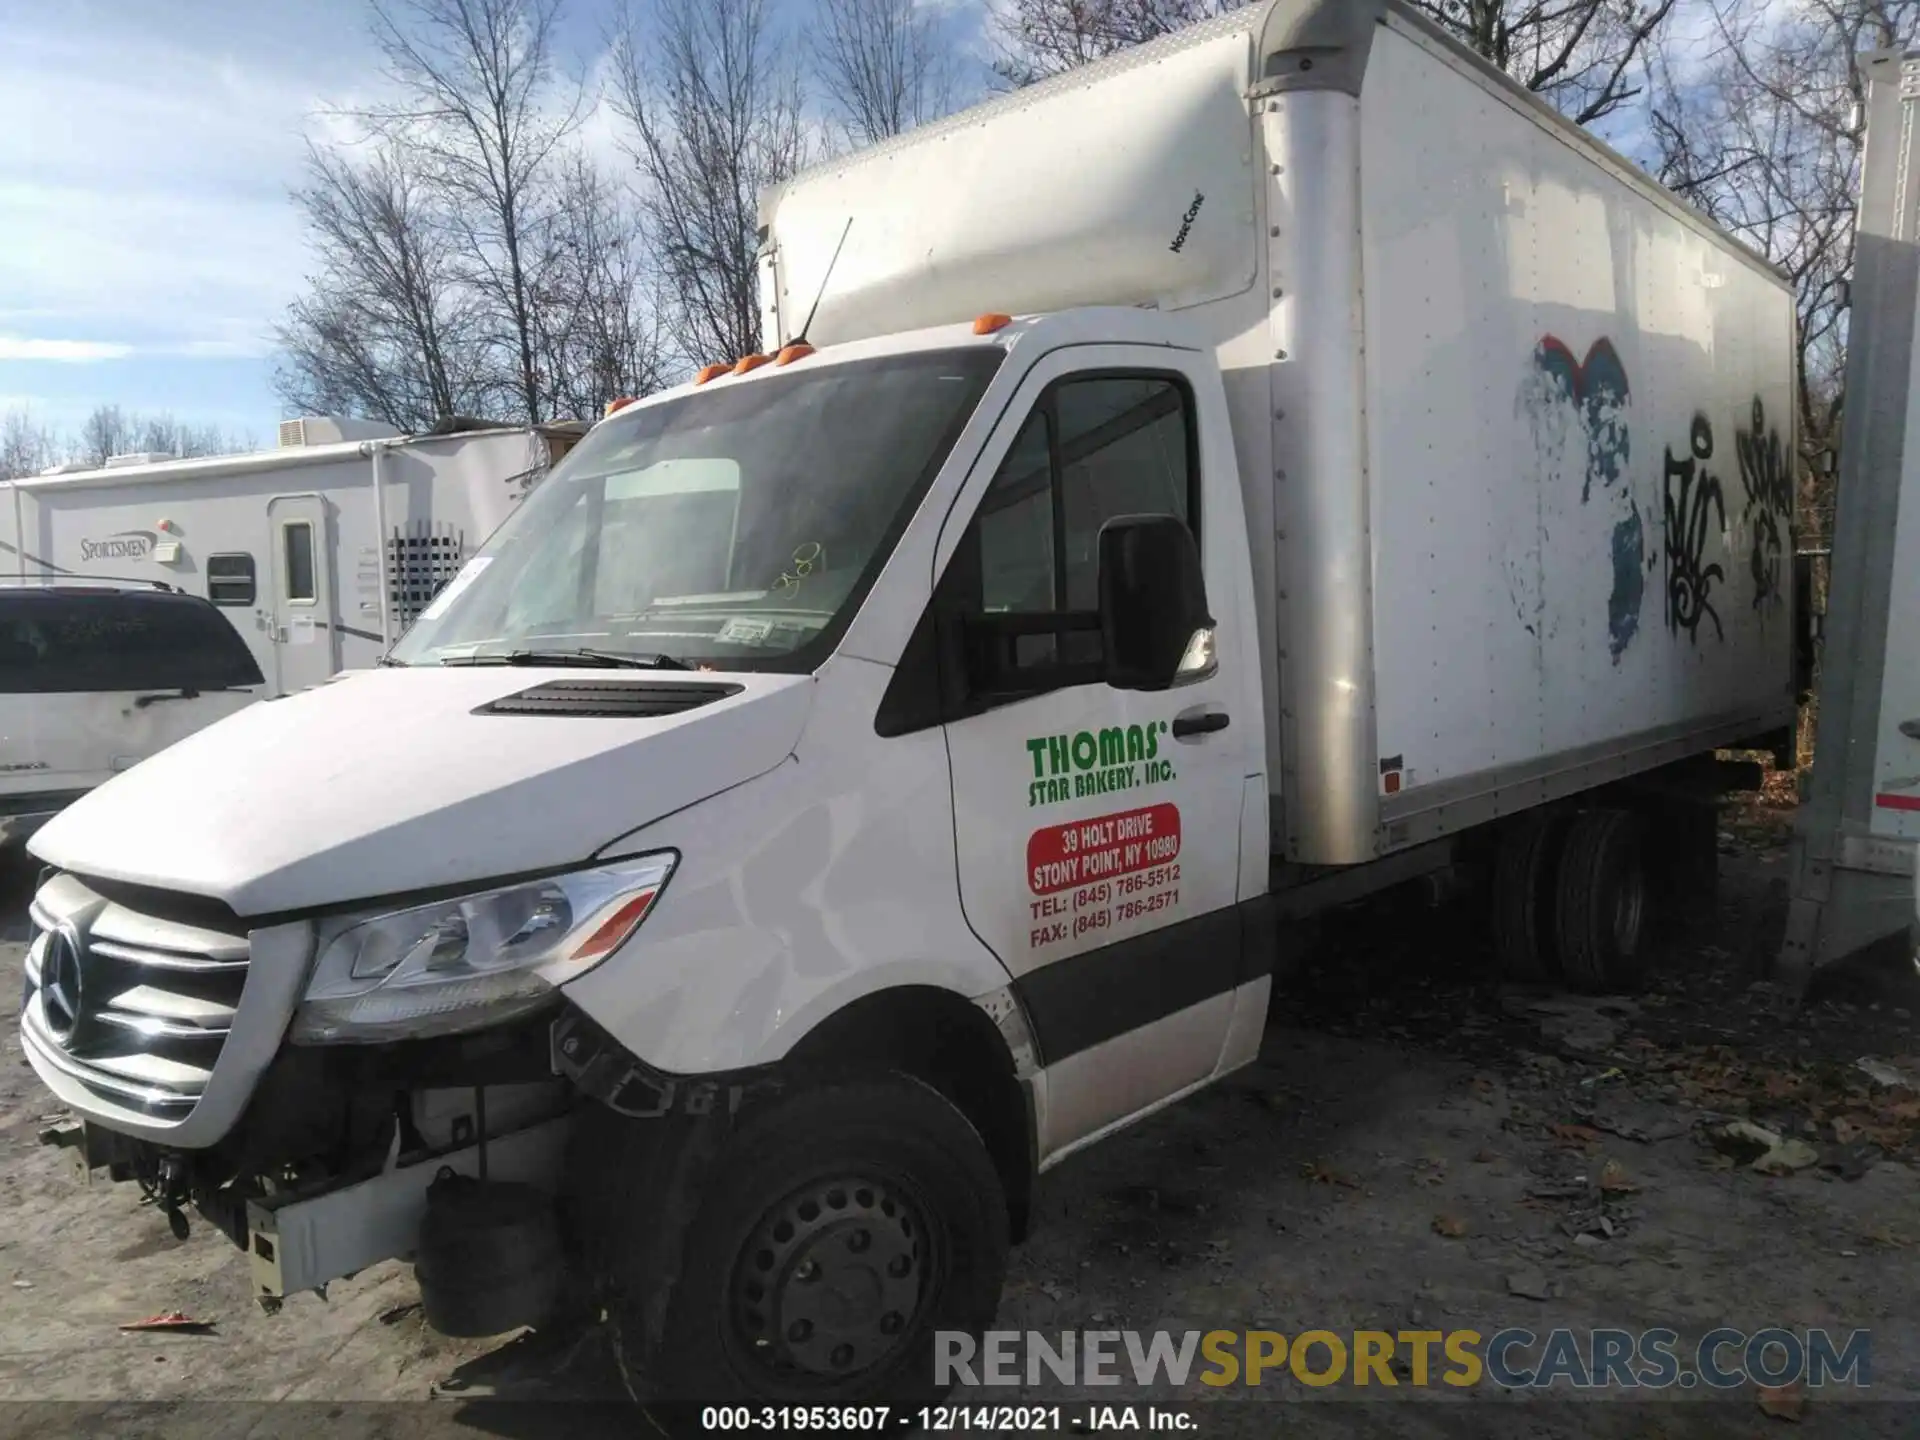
(838, 1229)
(1525, 865)
(1603, 903)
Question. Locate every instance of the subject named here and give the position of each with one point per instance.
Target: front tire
(840, 1227)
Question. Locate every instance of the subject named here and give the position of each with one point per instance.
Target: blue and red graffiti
(1599, 393)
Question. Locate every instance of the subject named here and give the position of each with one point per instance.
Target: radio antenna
(801, 338)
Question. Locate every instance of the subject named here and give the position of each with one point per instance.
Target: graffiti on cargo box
(1580, 412)
(1692, 496)
(1769, 504)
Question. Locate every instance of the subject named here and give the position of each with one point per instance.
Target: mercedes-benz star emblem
(61, 986)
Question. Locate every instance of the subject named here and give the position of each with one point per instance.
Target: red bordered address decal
(1094, 875)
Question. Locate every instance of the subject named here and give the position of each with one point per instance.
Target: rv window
(230, 579)
(298, 538)
(53, 643)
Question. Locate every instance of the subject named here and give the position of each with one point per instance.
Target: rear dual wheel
(1570, 900)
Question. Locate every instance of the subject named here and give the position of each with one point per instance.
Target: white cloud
(144, 183)
(71, 352)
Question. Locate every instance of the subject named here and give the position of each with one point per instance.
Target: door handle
(1205, 723)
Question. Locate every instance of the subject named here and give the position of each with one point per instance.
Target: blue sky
(147, 244)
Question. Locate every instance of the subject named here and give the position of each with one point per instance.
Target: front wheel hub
(832, 1279)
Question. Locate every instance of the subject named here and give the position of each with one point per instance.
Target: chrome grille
(135, 1008)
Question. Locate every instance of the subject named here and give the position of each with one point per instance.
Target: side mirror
(1155, 628)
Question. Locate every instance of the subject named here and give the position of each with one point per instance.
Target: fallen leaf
(1484, 1156)
(1889, 1237)
(1320, 1173)
(1787, 1157)
(1744, 1140)
(172, 1320)
(1881, 1073)
(1845, 1132)
(1782, 1402)
(1614, 1181)
(1575, 1135)
(1778, 1086)
(1451, 1226)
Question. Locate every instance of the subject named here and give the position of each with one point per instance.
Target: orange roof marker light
(749, 362)
(799, 350)
(710, 372)
(988, 323)
(617, 404)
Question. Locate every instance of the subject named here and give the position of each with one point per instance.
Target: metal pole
(377, 450)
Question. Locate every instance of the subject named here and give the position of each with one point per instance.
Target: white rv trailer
(288, 542)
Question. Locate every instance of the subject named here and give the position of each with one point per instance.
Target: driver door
(1097, 830)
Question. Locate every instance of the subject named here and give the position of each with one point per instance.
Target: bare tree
(599, 337)
(885, 64)
(106, 432)
(1585, 57)
(26, 448)
(111, 430)
(1039, 38)
(484, 109)
(713, 102)
(385, 331)
(1764, 133)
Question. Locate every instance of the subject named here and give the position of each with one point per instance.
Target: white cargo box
(1515, 427)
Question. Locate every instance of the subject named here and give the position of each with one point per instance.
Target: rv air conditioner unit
(332, 430)
(138, 457)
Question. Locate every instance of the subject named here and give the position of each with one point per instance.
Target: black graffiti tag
(1691, 494)
(1769, 492)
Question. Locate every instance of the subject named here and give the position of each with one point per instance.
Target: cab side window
(1028, 569)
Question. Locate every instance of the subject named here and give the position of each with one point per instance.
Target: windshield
(737, 527)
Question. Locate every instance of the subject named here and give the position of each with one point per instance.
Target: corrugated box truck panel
(1579, 431)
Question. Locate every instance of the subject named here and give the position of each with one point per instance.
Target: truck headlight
(474, 960)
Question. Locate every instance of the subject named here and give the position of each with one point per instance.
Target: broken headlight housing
(472, 961)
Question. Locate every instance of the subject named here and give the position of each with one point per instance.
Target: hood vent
(610, 699)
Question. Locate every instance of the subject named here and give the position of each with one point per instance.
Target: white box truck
(320, 551)
(1227, 479)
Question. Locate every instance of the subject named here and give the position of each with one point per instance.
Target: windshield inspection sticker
(742, 630)
(1094, 762)
(1092, 876)
(469, 573)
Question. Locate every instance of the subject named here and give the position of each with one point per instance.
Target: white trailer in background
(1855, 835)
(288, 542)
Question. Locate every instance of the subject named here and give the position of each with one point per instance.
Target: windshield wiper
(583, 658)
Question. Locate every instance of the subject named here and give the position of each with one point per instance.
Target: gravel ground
(1419, 1148)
